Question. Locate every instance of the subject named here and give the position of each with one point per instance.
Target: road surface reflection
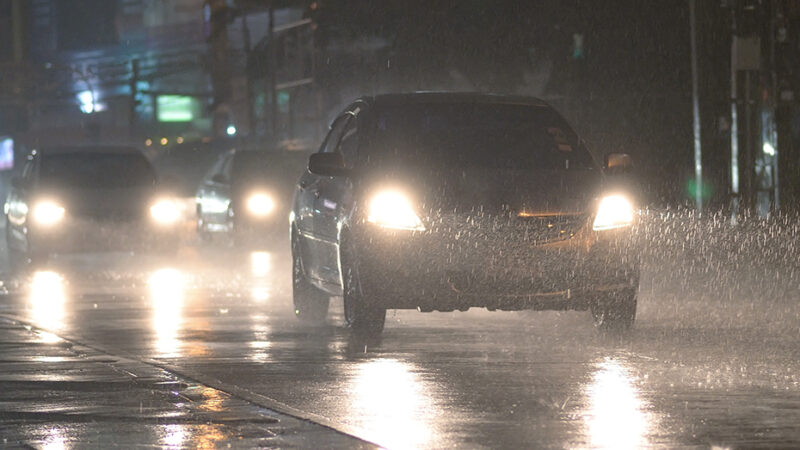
(393, 403)
(617, 417)
(261, 269)
(167, 297)
(55, 440)
(46, 299)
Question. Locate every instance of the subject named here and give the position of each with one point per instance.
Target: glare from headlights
(260, 204)
(164, 212)
(392, 209)
(47, 213)
(615, 211)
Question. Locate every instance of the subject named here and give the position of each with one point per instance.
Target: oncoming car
(436, 201)
(88, 198)
(244, 194)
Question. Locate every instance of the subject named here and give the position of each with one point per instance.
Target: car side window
(27, 170)
(216, 168)
(348, 145)
(334, 136)
(227, 167)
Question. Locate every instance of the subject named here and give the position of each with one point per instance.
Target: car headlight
(615, 211)
(47, 213)
(260, 204)
(164, 212)
(392, 209)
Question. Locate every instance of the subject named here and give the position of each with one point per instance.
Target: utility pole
(272, 71)
(734, 128)
(698, 153)
(134, 87)
(248, 85)
(17, 21)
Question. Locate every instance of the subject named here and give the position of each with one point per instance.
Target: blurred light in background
(86, 100)
(176, 108)
(47, 212)
(165, 212)
(260, 204)
(6, 153)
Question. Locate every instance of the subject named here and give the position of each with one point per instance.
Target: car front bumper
(81, 235)
(419, 270)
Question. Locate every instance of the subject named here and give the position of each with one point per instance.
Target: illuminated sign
(176, 108)
(6, 153)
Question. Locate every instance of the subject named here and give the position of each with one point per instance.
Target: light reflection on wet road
(695, 370)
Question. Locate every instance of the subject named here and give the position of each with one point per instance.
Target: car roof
(72, 149)
(453, 97)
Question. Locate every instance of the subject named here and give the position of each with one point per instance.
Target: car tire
(310, 304)
(615, 311)
(361, 314)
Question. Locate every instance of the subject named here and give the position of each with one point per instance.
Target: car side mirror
(618, 163)
(219, 178)
(327, 164)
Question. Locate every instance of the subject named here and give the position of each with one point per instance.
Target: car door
(213, 197)
(310, 209)
(333, 202)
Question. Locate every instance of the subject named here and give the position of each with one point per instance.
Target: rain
(443, 224)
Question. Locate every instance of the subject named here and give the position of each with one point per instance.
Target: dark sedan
(243, 195)
(450, 201)
(88, 198)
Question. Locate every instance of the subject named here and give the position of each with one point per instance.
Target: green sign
(176, 108)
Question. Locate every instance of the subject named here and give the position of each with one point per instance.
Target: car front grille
(515, 229)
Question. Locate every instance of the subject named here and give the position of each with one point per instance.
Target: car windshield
(93, 170)
(498, 136)
(251, 166)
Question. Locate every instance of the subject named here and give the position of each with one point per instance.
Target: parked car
(436, 201)
(246, 195)
(88, 198)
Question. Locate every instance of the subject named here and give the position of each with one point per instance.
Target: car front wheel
(615, 311)
(363, 316)
(310, 304)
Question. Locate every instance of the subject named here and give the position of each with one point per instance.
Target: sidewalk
(54, 394)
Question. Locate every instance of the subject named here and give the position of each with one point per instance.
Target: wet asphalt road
(704, 366)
